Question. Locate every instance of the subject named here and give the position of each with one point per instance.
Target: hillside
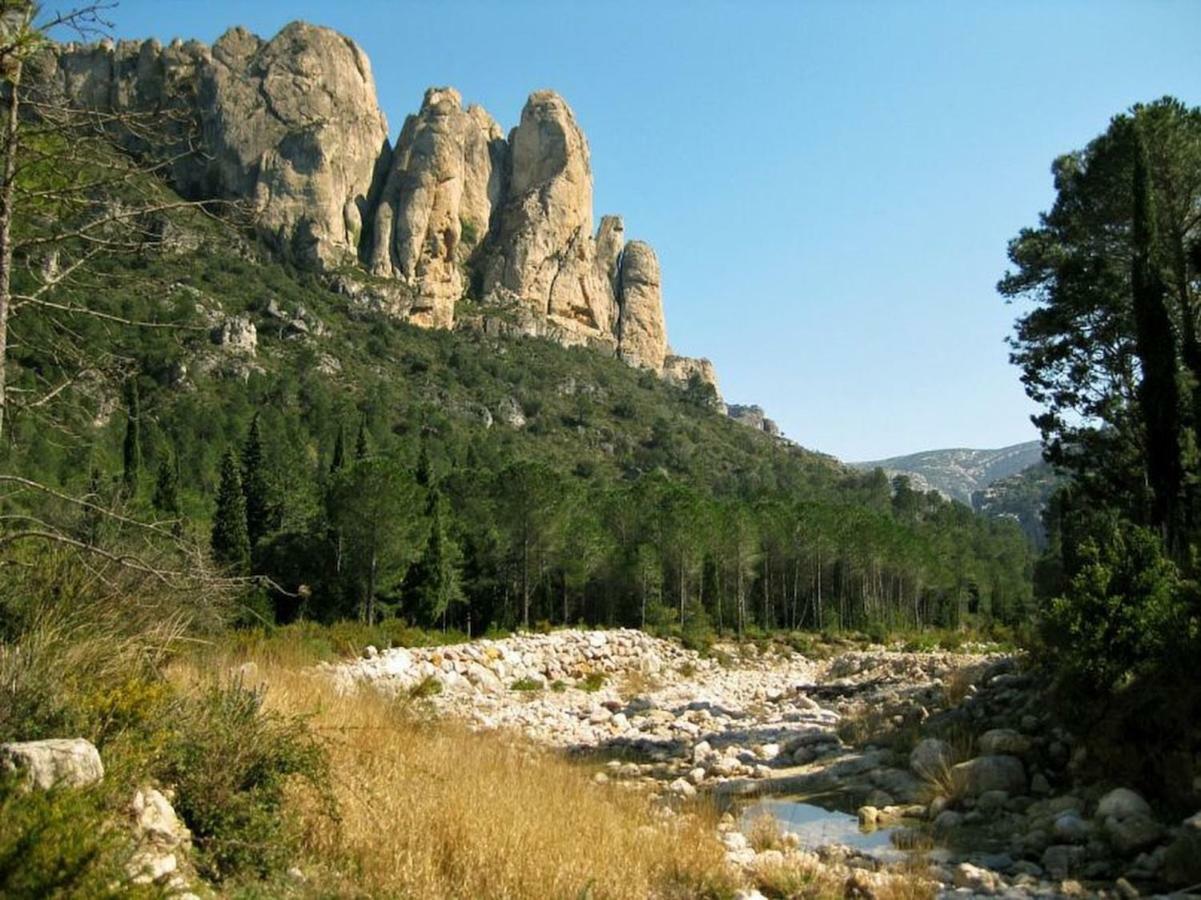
(958, 473)
(471, 426)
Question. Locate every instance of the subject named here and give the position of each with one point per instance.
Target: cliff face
(293, 127)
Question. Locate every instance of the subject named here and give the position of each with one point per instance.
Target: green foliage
(60, 843)
(526, 684)
(1125, 609)
(592, 682)
(230, 762)
(166, 488)
(132, 446)
(254, 486)
(230, 542)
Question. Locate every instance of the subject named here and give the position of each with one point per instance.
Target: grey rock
(989, 773)
(44, 764)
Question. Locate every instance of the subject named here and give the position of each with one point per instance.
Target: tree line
(489, 540)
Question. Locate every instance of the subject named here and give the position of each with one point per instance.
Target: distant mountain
(959, 473)
(1023, 498)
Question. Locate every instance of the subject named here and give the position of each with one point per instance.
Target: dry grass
(430, 809)
(765, 833)
(636, 683)
(959, 684)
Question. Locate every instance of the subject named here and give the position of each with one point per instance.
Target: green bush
(61, 843)
(592, 682)
(1126, 610)
(526, 684)
(230, 762)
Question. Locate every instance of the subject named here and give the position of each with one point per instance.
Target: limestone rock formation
(293, 124)
(290, 125)
(642, 334)
(753, 416)
(291, 128)
(680, 370)
(446, 178)
(543, 254)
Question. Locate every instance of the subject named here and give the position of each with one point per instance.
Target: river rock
(931, 758)
(1003, 741)
(989, 773)
(1122, 803)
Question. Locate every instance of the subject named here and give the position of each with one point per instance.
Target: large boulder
(446, 178)
(1122, 803)
(989, 773)
(642, 333)
(1128, 821)
(931, 758)
(73, 762)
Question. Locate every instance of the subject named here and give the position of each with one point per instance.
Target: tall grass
(428, 808)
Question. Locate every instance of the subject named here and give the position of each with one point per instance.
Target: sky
(830, 186)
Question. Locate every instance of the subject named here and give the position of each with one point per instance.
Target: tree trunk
(7, 191)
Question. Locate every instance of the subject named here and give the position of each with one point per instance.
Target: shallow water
(821, 823)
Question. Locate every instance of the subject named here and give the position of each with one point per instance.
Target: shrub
(230, 762)
(61, 843)
(526, 684)
(592, 682)
(429, 686)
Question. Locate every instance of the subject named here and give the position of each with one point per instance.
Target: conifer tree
(360, 443)
(424, 474)
(166, 488)
(438, 575)
(254, 485)
(231, 546)
(1155, 344)
(132, 448)
(339, 457)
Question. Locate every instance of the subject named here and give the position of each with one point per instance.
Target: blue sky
(830, 186)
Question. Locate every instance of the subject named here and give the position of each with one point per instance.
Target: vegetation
(1110, 349)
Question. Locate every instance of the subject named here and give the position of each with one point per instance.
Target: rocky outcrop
(753, 417)
(290, 125)
(446, 178)
(543, 253)
(294, 126)
(642, 334)
(681, 370)
(291, 128)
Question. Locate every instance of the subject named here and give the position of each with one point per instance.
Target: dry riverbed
(986, 808)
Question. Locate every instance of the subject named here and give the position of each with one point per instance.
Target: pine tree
(360, 443)
(424, 474)
(166, 488)
(231, 546)
(132, 449)
(339, 458)
(254, 485)
(438, 576)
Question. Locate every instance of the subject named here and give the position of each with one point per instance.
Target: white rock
(68, 761)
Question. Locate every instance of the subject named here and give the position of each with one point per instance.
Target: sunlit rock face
(291, 127)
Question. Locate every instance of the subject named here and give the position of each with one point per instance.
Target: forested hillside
(461, 478)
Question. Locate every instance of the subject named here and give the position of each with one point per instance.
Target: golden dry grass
(426, 808)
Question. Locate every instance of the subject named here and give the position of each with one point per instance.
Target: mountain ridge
(959, 472)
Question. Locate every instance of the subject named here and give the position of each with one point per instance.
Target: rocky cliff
(454, 210)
